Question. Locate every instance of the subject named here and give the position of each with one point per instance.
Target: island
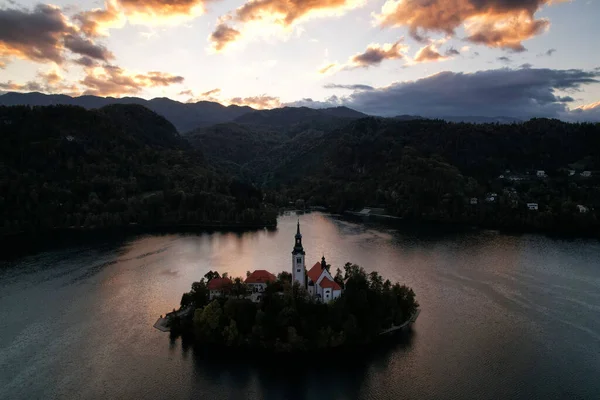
(293, 312)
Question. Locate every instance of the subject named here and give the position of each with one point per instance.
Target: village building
(491, 197)
(532, 206)
(318, 281)
(257, 281)
(473, 201)
(219, 287)
(541, 173)
(321, 284)
(586, 174)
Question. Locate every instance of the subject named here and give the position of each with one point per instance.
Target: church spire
(298, 249)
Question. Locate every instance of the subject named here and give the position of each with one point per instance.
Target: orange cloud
(44, 34)
(116, 12)
(376, 53)
(588, 107)
(96, 22)
(327, 68)
(260, 102)
(212, 92)
(281, 13)
(428, 53)
(494, 23)
(48, 82)
(110, 80)
(222, 36)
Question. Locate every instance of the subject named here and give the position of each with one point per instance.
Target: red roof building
(327, 283)
(315, 272)
(260, 276)
(219, 284)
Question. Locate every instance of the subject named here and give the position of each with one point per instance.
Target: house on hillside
(541, 173)
(473, 201)
(219, 287)
(586, 174)
(532, 206)
(257, 281)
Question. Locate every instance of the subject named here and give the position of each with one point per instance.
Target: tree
(207, 321)
(211, 275)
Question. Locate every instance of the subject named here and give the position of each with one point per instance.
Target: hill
(184, 116)
(68, 167)
(430, 169)
(257, 142)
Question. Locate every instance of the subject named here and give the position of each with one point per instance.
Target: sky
(518, 58)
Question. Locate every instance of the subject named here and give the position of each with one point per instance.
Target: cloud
(86, 62)
(87, 48)
(453, 52)
(331, 67)
(526, 65)
(213, 92)
(588, 112)
(43, 35)
(110, 80)
(262, 14)
(428, 53)
(48, 82)
(547, 53)
(350, 87)
(97, 22)
(494, 23)
(146, 12)
(504, 59)
(222, 36)
(185, 93)
(332, 101)
(260, 102)
(376, 53)
(520, 93)
(35, 35)
(30, 86)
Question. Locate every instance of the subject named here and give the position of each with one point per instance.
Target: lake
(503, 316)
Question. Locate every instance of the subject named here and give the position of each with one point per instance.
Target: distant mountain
(184, 116)
(299, 118)
(261, 140)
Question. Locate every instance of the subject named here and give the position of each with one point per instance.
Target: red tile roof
(219, 283)
(261, 276)
(315, 272)
(327, 283)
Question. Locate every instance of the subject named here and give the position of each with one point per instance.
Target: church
(318, 280)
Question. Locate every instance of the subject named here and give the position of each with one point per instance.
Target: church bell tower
(298, 266)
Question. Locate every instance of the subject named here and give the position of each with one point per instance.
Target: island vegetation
(286, 319)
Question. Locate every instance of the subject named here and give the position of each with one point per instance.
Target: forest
(64, 167)
(287, 320)
(430, 170)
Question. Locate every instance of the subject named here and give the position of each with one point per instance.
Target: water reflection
(327, 375)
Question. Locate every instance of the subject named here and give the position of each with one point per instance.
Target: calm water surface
(502, 317)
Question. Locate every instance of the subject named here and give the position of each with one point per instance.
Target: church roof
(261, 276)
(327, 283)
(219, 283)
(315, 272)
